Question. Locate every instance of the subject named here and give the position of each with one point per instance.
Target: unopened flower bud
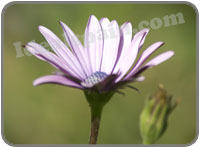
(154, 117)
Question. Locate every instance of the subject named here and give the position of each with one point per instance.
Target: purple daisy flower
(104, 63)
(102, 66)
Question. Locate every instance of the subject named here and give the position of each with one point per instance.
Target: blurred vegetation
(52, 114)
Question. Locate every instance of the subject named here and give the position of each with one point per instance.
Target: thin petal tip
(114, 22)
(61, 23)
(161, 43)
(104, 19)
(35, 83)
(42, 28)
(145, 30)
(171, 53)
(140, 79)
(93, 17)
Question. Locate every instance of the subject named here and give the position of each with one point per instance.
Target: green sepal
(97, 101)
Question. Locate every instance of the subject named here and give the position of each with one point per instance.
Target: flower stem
(146, 142)
(96, 102)
(94, 130)
(95, 123)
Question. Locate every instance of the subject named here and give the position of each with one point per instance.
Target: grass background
(52, 114)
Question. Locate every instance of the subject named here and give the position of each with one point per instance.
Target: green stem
(95, 122)
(96, 102)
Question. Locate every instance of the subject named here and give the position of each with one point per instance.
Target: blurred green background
(52, 114)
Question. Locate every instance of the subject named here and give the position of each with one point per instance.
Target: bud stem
(146, 142)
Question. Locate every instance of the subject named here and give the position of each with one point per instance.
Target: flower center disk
(94, 79)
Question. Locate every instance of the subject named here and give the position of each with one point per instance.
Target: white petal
(43, 54)
(160, 58)
(155, 61)
(126, 29)
(131, 53)
(77, 48)
(111, 33)
(62, 51)
(94, 43)
(145, 55)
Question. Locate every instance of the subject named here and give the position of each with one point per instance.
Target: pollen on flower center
(94, 79)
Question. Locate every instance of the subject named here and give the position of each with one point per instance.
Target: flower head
(104, 63)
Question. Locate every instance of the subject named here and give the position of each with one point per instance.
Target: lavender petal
(160, 58)
(94, 43)
(155, 61)
(45, 55)
(131, 53)
(126, 30)
(77, 48)
(111, 44)
(56, 79)
(62, 51)
(145, 55)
